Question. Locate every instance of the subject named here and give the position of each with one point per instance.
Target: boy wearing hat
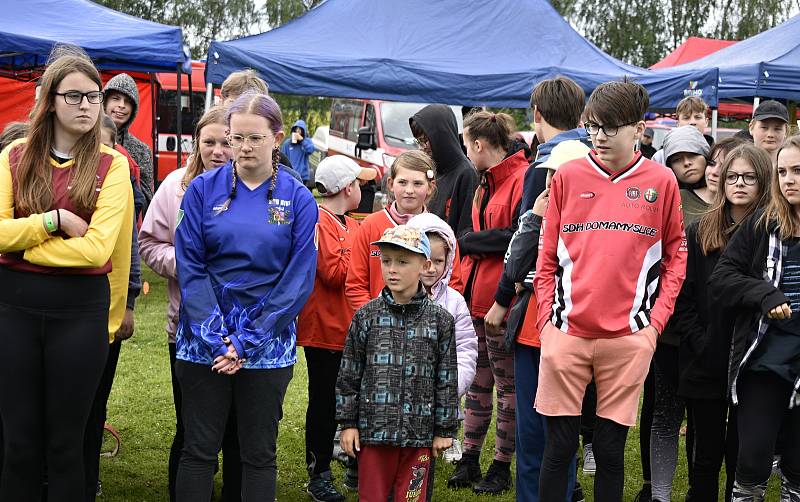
(647, 148)
(769, 127)
(686, 152)
(397, 391)
(323, 322)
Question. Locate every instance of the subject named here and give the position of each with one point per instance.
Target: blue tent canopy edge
(420, 51)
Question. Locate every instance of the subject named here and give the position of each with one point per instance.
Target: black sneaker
(321, 489)
(577, 493)
(496, 481)
(467, 472)
(644, 495)
(351, 476)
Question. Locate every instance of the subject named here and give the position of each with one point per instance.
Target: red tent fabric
(17, 96)
(693, 48)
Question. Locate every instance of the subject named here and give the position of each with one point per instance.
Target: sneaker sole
(315, 499)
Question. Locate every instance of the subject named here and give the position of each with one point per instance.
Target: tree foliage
(643, 32)
(202, 20)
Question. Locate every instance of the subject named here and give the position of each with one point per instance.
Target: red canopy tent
(695, 48)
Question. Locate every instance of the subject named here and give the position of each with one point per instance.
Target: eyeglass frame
(64, 95)
(600, 127)
(246, 139)
(744, 180)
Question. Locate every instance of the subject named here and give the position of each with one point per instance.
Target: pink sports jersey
(612, 251)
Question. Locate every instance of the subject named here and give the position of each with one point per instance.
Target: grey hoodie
(124, 84)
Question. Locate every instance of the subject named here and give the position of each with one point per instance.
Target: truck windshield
(396, 130)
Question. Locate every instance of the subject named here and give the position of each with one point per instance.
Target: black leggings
(323, 367)
(56, 331)
(258, 396)
(763, 406)
(93, 439)
(231, 463)
(646, 422)
(561, 443)
(716, 438)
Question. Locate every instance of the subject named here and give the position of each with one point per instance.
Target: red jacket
(326, 317)
(494, 220)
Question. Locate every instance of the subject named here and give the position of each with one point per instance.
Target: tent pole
(714, 118)
(178, 132)
(209, 95)
(191, 96)
(756, 102)
(154, 125)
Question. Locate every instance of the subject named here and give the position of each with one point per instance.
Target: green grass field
(141, 409)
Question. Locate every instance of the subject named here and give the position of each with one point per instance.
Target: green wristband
(49, 224)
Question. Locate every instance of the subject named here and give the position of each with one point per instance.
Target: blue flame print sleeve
(201, 314)
(245, 268)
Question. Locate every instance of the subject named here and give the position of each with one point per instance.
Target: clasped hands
(229, 363)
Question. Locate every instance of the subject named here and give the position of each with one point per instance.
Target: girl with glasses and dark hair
(705, 331)
(246, 257)
(757, 281)
(66, 216)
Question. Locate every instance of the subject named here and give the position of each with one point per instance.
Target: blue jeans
(530, 427)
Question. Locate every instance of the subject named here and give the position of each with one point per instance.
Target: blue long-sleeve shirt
(244, 272)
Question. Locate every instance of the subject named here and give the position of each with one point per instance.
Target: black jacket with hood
(456, 178)
(745, 280)
(124, 84)
(704, 328)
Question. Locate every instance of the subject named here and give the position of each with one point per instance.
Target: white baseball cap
(563, 153)
(334, 173)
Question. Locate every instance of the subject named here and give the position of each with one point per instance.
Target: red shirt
(612, 252)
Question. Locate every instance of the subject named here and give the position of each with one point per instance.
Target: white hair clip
(429, 174)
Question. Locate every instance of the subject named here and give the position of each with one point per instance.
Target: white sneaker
(589, 466)
(454, 453)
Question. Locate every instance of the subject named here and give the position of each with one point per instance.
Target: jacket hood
(579, 133)
(124, 83)
(302, 125)
(429, 222)
(440, 126)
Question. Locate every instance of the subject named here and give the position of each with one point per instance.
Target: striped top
(612, 251)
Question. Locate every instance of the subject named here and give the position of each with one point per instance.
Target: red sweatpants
(385, 469)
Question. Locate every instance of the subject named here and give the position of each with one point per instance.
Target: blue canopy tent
(765, 65)
(448, 51)
(113, 40)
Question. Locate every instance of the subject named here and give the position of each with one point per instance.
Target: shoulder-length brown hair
(214, 115)
(34, 173)
(779, 212)
(714, 229)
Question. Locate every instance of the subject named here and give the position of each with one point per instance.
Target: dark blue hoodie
(299, 153)
(535, 178)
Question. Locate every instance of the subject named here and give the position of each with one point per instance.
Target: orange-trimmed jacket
(325, 319)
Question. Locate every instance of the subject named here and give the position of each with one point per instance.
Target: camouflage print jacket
(398, 381)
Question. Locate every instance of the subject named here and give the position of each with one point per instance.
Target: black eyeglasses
(608, 130)
(749, 179)
(75, 97)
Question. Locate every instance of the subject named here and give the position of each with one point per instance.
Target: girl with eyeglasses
(66, 222)
(246, 255)
(757, 280)
(705, 330)
(157, 248)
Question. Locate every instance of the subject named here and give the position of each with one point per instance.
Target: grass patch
(142, 411)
